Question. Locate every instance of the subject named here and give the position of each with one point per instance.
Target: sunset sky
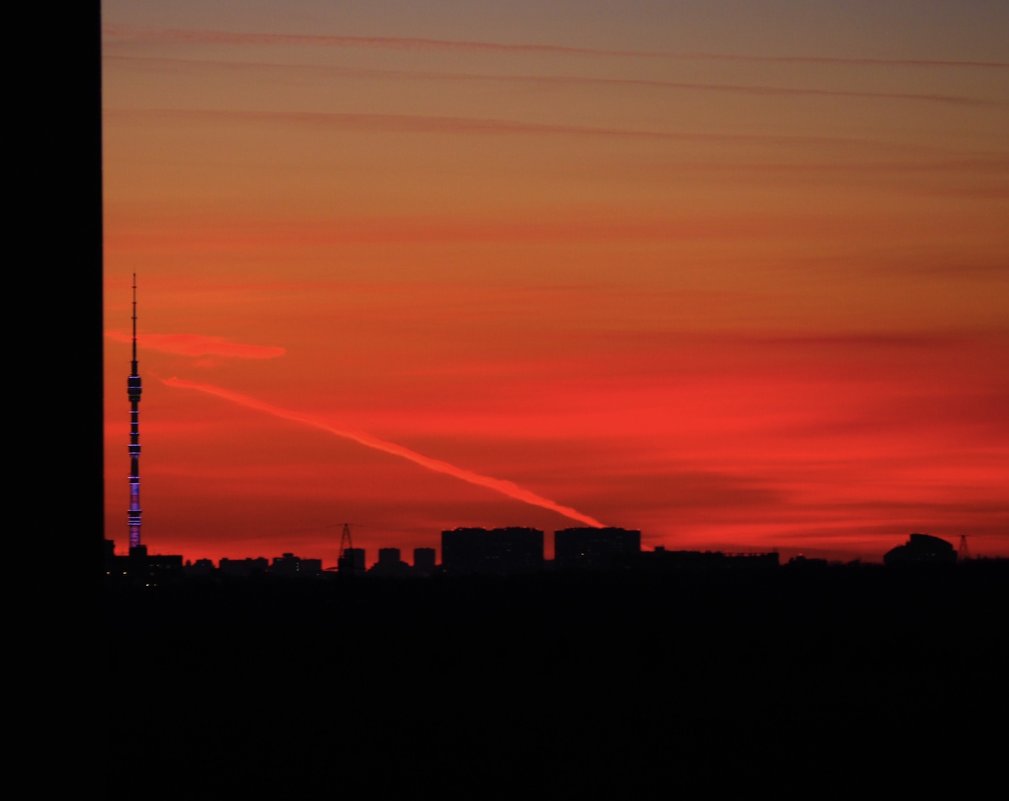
(732, 273)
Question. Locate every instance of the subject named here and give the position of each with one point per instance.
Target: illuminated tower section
(133, 390)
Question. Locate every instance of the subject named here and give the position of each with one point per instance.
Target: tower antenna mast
(133, 391)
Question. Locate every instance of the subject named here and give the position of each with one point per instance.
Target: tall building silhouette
(288, 564)
(133, 390)
(922, 549)
(501, 551)
(390, 563)
(351, 562)
(595, 548)
(424, 561)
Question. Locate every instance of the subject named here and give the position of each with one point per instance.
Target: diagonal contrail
(502, 486)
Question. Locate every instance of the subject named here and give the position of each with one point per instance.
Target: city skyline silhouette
(503, 487)
(577, 400)
(729, 275)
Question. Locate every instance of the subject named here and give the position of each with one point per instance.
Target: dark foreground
(559, 687)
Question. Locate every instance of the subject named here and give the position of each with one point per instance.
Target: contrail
(502, 486)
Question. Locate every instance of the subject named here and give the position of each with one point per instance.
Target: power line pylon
(345, 540)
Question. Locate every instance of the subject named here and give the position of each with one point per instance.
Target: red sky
(732, 274)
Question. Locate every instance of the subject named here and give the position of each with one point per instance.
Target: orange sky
(737, 279)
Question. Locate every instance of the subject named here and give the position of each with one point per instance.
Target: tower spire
(133, 391)
(134, 361)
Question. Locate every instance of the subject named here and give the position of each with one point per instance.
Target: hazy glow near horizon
(726, 273)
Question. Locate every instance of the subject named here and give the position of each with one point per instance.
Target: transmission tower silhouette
(345, 540)
(963, 552)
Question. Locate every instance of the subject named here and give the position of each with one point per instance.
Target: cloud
(232, 236)
(421, 123)
(853, 62)
(202, 36)
(198, 36)
(956, 267)
(561, 80)
(983, 166)
(199, 345)
(869, 339)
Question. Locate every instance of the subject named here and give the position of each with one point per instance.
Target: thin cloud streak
(985, 166)
(565, 80)
(200, 345)
(501, 486)
(418, 123)
(198, 36)
(248, 234)
(856, 62)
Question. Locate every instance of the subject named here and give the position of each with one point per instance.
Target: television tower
(133, 390)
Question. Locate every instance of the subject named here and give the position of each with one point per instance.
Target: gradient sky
(733, 273)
